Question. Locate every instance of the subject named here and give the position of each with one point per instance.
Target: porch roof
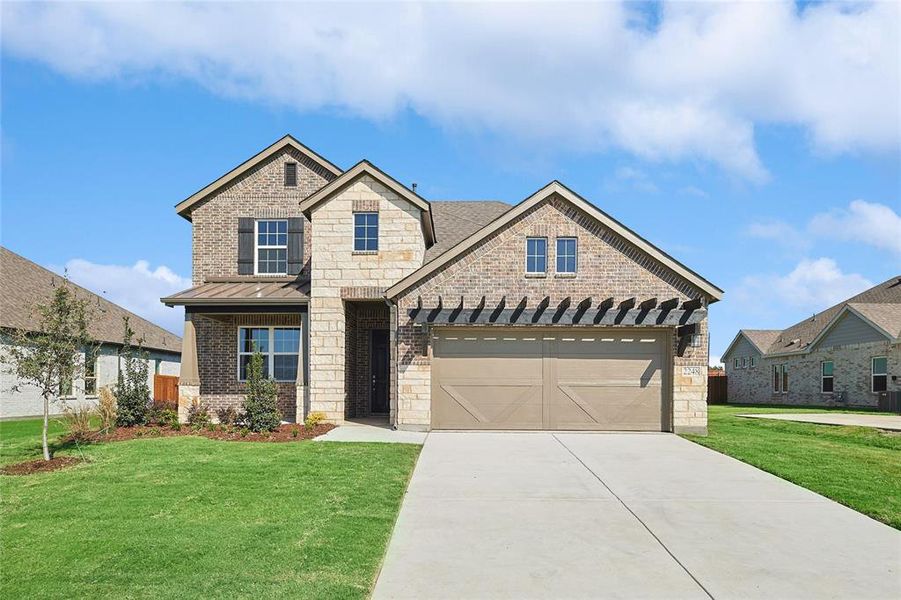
(244, 292)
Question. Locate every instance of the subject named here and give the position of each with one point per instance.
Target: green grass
(859, 467)
(189, 517)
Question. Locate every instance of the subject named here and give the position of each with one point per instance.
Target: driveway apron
(541, 515)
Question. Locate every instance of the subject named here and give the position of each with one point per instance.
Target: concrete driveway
(541, 515)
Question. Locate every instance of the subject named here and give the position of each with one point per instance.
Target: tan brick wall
(260, 193)
(608, 266)
(336, 266)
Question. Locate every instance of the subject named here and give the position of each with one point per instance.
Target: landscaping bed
(40, 466)
(285, 433)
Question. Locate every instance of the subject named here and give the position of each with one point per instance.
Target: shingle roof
(273, 290)
(798, 337)
(456, 220)
(25, 283)
(762, 338)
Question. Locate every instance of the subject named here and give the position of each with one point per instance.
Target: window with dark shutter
(245, 245)
(290, 174)
(295, 245)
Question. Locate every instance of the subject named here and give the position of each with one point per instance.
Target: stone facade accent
(260, 193)
(336, 266)
(851, 372)
(608, 267)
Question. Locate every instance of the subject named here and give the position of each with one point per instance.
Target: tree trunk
(44, 433)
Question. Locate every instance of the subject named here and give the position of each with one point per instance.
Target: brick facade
(608, 267)
(851, 371)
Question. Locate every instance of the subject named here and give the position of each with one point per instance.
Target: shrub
(132, 391)
(77, 421)
(260, 402)
(295, 432)
(198, 415)
(313, 419)
(227, 415)
(106, 410)
(167, 418)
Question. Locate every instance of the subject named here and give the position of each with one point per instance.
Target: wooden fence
(165, 389)
(717, 389)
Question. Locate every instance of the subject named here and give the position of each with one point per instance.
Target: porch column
(300, 386)
(189, 375)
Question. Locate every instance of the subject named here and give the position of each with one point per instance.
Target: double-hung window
(90, 372)
(366, 232)
(879, 370)
(566, 255)
(744, 362)
(736, 362)
(536, 255)
(827, 380)
(752, 362)
(280, 347)
(777, 379)
(272, 247)
(784, 379)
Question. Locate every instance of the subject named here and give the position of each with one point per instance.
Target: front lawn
(859, 467)
(189, 517)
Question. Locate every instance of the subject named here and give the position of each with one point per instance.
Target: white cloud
(813, 285)
(587, 76)
(136, 288)
(780, 233)
(630, 177)
(869, 223)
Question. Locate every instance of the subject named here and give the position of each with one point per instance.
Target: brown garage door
(549, 379)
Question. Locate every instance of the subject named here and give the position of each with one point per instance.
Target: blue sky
(786, 197)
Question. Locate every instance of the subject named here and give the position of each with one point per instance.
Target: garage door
(585, 379)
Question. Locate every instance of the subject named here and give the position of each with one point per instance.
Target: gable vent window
(291, 174)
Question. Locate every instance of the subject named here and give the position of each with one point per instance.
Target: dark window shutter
(290, 174)
(245, 246)
(295, 245)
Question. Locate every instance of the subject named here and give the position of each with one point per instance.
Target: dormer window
(272, 247)
(291, 174)
(366, 232)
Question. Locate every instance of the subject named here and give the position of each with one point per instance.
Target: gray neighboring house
(844, 356)
(24, 283)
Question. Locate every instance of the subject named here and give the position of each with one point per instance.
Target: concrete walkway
(371, 430)
(541, 515)
(879, 421)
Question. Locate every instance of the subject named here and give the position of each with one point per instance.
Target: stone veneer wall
(851, 368)
(336, 268)
(260, 193)
(608, 267)
(217, 360)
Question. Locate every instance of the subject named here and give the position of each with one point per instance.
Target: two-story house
(846, 355)
(366, 299)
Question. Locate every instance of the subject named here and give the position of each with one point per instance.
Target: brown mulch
(40, 466)
(285, 433)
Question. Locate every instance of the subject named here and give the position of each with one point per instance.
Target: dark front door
(378, 395)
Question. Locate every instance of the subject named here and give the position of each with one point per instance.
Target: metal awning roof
(649, 313)
(258, 291)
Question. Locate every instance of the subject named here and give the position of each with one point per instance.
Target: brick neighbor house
(369, 300)
(846, 355)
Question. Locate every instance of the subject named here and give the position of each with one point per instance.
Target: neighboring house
(845, 355)
(367, 299)
(25, 284)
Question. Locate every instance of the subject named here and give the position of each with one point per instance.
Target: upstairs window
(536, 255)
(827, 382)
(280, 347)
(735, 363)
(744, 362)
(752, 362)
(272, 247)
(366, 232)
(879, 371)
(290, 174)
(566, 255)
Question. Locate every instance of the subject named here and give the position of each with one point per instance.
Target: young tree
(50, 359)
(260, 402)
(132, 390)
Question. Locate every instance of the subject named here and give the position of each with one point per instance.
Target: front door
(378, 394)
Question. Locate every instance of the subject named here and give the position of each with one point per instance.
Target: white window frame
(736, 362)
(784, 378)
(777, 379)
(271, 354)
(575, 255)
(752, 362)
(378, 231)
(874, 374)
(528, 239)
(824, 377)
(744, 362)
(257, 247)
(88, 356)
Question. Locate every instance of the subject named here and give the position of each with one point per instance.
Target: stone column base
(187, 394)
(691, 429)
(300, 403)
